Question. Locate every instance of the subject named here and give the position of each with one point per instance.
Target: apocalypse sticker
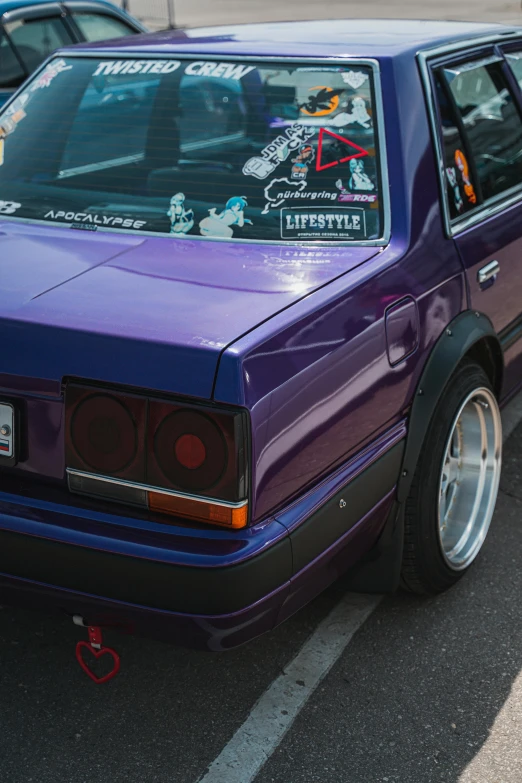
(95, 220)
(323, 223)
(282, 189)
(277, 151)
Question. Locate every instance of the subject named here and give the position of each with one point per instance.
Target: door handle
(487, 272)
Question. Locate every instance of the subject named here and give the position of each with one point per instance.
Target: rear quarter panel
(316, 378)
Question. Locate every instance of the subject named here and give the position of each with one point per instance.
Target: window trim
(380, 135)
(429, 59)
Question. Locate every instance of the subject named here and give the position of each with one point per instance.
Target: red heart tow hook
(95, 648)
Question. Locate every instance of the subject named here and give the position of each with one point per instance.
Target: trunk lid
(147, 312)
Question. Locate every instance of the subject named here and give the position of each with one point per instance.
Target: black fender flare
(459, 338)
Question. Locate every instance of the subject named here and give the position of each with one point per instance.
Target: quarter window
(492, 128)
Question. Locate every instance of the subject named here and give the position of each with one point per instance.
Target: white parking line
(258, 737)
(256, 740)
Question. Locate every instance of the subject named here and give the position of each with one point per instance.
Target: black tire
(424, 568)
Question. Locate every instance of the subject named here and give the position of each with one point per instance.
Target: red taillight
(190, 451)
(140, 444)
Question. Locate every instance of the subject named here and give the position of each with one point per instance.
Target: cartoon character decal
(181, 219)
(359, 179)
(359, 114)
(301, 162)
(220, 225)
(462, 164)
(325, 102)
(452, 179)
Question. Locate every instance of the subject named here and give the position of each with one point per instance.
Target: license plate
(7, 432)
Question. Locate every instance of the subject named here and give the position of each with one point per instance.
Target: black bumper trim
(189, 590)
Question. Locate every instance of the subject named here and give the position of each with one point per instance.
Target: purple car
(261, 298)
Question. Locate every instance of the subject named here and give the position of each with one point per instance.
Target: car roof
(321, 38)
(12, 5)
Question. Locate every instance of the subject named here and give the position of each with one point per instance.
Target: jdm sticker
(324, 102)
(221, 225)
(277, 151)
(323, 222)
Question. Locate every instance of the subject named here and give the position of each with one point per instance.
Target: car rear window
(196, 148)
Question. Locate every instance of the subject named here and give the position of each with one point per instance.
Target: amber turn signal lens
(202, 511)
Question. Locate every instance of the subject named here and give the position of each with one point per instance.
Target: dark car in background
(31, 31)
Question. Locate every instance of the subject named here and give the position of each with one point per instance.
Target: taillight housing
(172, 457)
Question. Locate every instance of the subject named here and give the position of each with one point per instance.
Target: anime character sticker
(359, 179)
(452, 179)
(359, 114)
(220, 225)
(301, 162)
(462, 164)
(181, 219)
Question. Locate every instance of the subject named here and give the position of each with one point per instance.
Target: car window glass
(199, 148)
(112, 109)
(491, 123)
(36, 39)
(459, 180)
(515, 61)
(11, 72)
(97, 27)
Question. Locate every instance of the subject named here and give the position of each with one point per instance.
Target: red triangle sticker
(319, 166)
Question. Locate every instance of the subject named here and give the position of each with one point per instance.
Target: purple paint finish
(402, 330)
(158, 315)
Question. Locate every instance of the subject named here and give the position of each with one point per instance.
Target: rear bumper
(213, 603)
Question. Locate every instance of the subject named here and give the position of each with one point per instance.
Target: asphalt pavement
(428, 691)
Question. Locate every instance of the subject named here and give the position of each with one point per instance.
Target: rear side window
(460, 180)
(198, 148)
(36, 39)
(11, 71)
(98, 27)
(491, 125)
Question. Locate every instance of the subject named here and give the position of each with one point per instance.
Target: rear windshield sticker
(220, 225)
(48, 74)
(324, 102)
(452, 179)
(281, 190)
(354, 79)
(277, 151)
(462, 163)
(358, 180)
(305, 156)
(9, 207)
(223, 70)
(350, 146)
(115, 67)
(181, 219)
(358, 114)
(332, 222)
(96, 220)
